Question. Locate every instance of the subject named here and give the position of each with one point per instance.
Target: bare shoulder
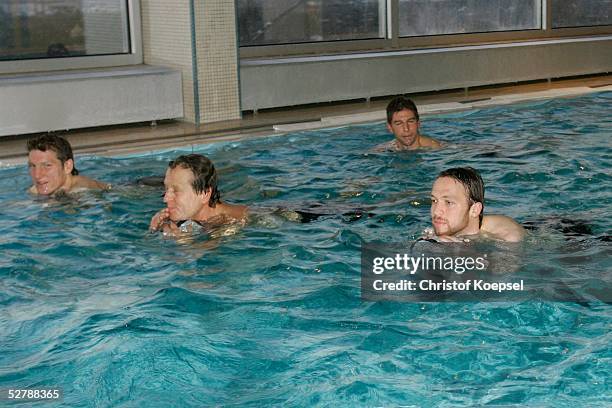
(430, 143)
(235, 211)
(502, 227)
(82, 182)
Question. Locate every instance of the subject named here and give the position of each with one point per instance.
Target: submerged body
(276, 317)
(422, 142)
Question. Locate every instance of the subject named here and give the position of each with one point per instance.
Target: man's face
(450, 209)
(182, 201)
(405, 127)
(48, 173)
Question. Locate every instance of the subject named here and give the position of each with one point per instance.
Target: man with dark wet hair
(457, 204)
(404, 122)
(52, 167)
(192, 195)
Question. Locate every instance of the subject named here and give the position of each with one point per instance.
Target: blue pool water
(271, 315)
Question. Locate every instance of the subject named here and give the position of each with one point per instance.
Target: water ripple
(272, 316)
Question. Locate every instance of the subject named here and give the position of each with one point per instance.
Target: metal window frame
(394, 42)
(133, 57)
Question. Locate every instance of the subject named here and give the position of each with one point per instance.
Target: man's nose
(37, 172)
(437, 209)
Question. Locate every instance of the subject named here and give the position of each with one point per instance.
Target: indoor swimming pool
(270, 314)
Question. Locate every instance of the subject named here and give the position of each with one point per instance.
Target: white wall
(76, 99)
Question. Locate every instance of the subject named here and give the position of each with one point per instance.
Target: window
(46, 35)
(34, 29)
(273, 28)
(435, 17)
(266, 22)
(581, 13)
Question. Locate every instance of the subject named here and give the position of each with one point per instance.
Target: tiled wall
(217, 60)
(166, 41)
(166, 37)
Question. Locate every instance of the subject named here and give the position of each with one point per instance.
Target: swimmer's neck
(220, 213)
(207, 212)
(473, 229)
(465, 235)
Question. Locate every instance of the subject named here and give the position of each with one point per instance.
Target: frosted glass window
(435, 17)
(264, 22)
(34, 29)
(581, 13)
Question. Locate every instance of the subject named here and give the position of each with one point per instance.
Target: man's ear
(68, 166)
(389, 128)
(475, 209)
(206, 195)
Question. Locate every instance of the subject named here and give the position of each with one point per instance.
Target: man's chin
(175, 217)
(45, 192)
(441, 232)
(407, 143)
(42, 190)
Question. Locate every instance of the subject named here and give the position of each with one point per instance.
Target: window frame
(393, 42)
(133, 57)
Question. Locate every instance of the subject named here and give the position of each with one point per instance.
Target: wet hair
(204, 174)
(56, 144)
(398, 104)
(471, 180)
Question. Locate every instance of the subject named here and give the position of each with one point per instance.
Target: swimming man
(52, 168)
(457, 204)
(192, 195)
(403, 121)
